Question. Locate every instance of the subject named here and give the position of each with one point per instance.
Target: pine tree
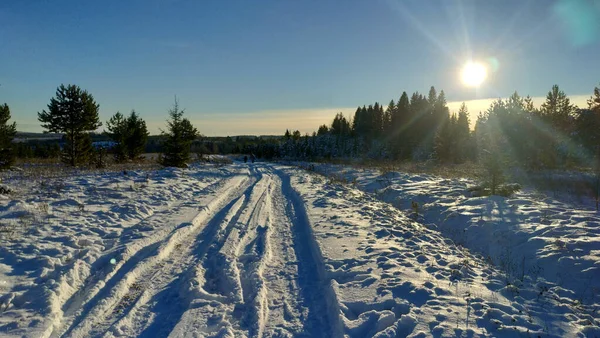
(74, 113)
(179, 137)
(356, 121)
(361, 123)
(387, 120)
(323, 130)
(401, 124)
(432, 97)
(445, 141)
(532, 142)
(442, 128)
(589, 126)
(376, 121)
(558, 109)
(441, 113)
(129, 133)
(421, 128)
(7, 134)
(528, 105)
(488, 131)
(462, 131)
(340, 125)
(137, 136)
(369, 123)
(556, 112)
(594, 101)
(117, 130)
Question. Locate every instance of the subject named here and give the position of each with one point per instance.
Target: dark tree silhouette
(7, 134)
(130, 134)
(178, 139)
(74, 113)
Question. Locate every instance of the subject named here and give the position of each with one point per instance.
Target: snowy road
(222, 254)
(245, 263)
(256, 250)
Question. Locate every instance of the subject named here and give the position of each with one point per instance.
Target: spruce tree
(358, 122)
(462, 134)
(556, 112)
(117, 130)
(594, 101)
(137, 136)
(532, 141)
(7, 134)
(442, 129)
(401, 124)
(387, 121)
(178, 139)
(340, 125)
(377, 121)
(420, 129)
(557, 109)
(323, 130)
(129, 133)
(355, 122)
(74, 113)
(528, 105)
(369, 123)
(590, 126)
(445, 141)
(432, 97)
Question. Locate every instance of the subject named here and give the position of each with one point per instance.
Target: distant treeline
(414, 128)
(513, 130)
(51, 148)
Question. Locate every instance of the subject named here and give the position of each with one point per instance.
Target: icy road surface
(256, 250)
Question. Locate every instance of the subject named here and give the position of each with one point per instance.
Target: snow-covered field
(269, 250)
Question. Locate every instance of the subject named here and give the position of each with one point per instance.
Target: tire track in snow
(323, 318)
(255, 244)
(221, 253)
(73, 297)
(177, 295)
(168, 281)
(277, 263)
(284, 288)
(235, 264)
(96, 311)
(229, 291)
(278, 300)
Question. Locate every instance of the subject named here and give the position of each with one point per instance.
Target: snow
(541, 246)
(263, 250)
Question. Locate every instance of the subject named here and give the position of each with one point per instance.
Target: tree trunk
(72, 150)
(597, 188)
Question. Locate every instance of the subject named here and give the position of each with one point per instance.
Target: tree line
(419, 127)
(73, 112)
(416, 127)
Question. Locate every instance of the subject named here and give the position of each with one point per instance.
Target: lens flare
(473, 74)
(493, 64)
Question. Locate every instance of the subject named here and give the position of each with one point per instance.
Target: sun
(473, 74)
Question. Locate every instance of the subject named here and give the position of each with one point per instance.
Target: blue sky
(259, 67)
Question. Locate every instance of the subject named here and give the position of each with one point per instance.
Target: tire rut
(316, 290)
(103, 269)
(209, 241)
(140, 266)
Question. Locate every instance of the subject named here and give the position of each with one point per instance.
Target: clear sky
(259, 67)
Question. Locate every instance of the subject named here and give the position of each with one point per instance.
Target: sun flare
(473, 74)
